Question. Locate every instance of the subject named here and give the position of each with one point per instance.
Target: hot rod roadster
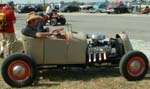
(76, 49)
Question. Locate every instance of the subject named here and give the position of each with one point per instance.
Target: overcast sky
(47, 1)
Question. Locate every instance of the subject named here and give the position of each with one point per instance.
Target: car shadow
(74, 74)
(43, 84)
(147, 77)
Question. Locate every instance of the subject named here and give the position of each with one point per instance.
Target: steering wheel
(58, 30)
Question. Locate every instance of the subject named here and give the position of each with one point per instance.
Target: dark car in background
(118, 9)
(29, 8)
(122, 8)
(25, 9)
(38, 7)
(70, 8)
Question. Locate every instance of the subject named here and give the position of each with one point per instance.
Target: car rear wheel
(54, 22)
(63, 21)
(134, 65)
(18, 70)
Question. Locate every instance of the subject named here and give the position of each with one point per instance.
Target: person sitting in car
(31, 28)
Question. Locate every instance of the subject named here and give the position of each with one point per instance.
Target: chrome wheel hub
(135, 66)
(19, 71)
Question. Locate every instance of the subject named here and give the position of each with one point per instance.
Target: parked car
(117, 9)
(25, 9)
(38, 7)
(29, 8)
(146, 10)
(70, 8)
(98, 6)
(122, 8)
(106, 10)
(86, 7)
(76, 49)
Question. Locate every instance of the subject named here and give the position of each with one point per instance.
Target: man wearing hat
(8, 35)
(31, 30)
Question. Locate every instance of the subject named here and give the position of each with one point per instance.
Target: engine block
(98, 51)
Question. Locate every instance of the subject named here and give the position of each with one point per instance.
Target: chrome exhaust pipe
(99, 53)
(89, 53)
(105, 57)
(94, 54)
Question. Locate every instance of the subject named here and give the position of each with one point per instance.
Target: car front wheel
(18, 70)
(134, 65)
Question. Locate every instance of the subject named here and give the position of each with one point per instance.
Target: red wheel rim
(136, 66)
(19, 71)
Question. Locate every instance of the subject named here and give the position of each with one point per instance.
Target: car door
(55, 51)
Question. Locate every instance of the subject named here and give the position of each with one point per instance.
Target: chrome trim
(135, 65)
(94, 54)
(100, 51)
(100, 58)
(97, 36)
(19, 71)
(105, 57)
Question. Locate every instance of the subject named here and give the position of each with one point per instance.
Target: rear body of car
(76, 49)
(29, 8)
(70, 8)
(121, 9)
(25, 9)
(86, 7)
(118, 9)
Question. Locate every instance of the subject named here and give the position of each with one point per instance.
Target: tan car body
(62, 51)
(57, 51)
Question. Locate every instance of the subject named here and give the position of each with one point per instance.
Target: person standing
(49, 9)
(8, 35)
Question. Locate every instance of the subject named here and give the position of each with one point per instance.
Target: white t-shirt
(48, 9)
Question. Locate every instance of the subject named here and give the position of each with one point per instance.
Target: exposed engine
(102, 49)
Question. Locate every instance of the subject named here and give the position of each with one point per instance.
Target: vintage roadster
(76, 49)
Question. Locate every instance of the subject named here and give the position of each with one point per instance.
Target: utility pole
(44, 2)
(30, 2)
